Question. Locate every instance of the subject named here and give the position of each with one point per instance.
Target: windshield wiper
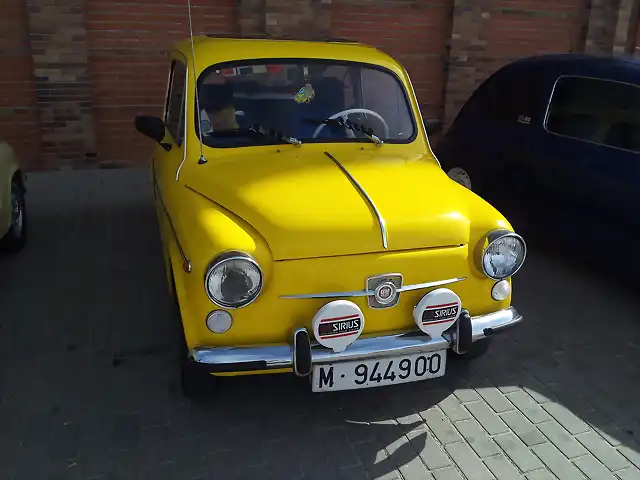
(277, 134)
(353, 126)
(256, 131)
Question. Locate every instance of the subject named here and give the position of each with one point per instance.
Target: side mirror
(152, 127)
(433, 126)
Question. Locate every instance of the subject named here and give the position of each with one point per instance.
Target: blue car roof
(620, 68)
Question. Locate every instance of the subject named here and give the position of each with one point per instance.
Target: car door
(593, 127)
(168, 159)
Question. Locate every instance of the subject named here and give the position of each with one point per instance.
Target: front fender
(206, 230)
(483, 218)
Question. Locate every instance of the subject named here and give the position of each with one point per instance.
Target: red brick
(18, 113)
(128, 67)
(403, 30)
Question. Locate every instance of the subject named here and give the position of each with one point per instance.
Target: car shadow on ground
(89, 382)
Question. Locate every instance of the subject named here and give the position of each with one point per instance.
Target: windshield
(290, 101)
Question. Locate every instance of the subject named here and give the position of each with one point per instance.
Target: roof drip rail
(264, 36)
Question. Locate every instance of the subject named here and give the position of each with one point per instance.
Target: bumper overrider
(303, 353)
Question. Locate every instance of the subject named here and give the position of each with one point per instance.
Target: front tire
(16, 237)
(195, 383)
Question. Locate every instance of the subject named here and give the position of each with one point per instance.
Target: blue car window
(599, 111)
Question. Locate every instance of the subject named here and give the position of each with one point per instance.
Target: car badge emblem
(384, 293)
(383, 290)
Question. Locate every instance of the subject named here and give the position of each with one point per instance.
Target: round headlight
(504, 255)
(233, 280)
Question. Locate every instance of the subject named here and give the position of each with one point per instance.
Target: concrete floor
(89, 386)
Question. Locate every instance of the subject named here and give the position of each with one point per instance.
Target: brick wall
(636, 49)
(19, 123)
(488, 34)
(82, 69)
(414, 32)
(128, 65)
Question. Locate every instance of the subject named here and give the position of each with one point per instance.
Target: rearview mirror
(433, 126)
(152, 127)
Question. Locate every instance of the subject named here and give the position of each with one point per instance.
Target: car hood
(306, 206)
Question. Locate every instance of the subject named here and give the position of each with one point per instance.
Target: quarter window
(599, 111)
(174, 116)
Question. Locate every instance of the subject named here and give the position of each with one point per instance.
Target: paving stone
(453, 409)
(603, 451)
(349, 473)
(540, 475)
(528, 407)
(556, 462)
(538, 392)
(566, 418)
(68, 410)
(527, 432)
(448, 473)
(468, 461)
(502, 468)
(415, 470)
(593, 469)
(486, 417)
(561, 439)
(629, 474)
(429, 450)
(495, 399)
(633, 455)
(441, 426)
(465, 395)
(406, 459)
(477, 438)
(518, 452)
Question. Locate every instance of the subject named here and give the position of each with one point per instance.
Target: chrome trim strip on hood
(383, 228)
(369, 293)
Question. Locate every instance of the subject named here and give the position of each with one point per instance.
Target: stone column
(252, 16)
(601, 29)
(467, 53)
(626, 27)
(297, 18)
(58, 40)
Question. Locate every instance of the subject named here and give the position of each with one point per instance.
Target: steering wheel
(345, 113)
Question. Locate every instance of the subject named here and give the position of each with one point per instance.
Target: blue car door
(593, 130)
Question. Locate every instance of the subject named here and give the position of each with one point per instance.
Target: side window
(599, 111)
(174, 116)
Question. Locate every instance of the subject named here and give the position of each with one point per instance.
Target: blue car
(554, 142)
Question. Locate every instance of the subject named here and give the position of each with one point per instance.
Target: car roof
(210, 50)
(620, 68)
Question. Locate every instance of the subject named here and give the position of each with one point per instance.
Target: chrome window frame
(584, 77)
(183, 114)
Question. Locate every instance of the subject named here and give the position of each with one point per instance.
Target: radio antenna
(195, 84)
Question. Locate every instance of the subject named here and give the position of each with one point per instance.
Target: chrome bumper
(238, 359)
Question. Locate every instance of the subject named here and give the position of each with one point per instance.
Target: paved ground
(89, 387)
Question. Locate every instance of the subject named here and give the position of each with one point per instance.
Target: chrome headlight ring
(237, 258)
(491, 239)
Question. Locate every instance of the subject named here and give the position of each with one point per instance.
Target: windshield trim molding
(408, 94)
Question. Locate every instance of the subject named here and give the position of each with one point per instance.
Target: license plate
(378, 372)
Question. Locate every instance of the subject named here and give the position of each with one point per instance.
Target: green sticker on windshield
(305, 94)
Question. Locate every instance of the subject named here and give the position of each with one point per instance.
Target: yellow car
(307, 226)
(13, 214)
